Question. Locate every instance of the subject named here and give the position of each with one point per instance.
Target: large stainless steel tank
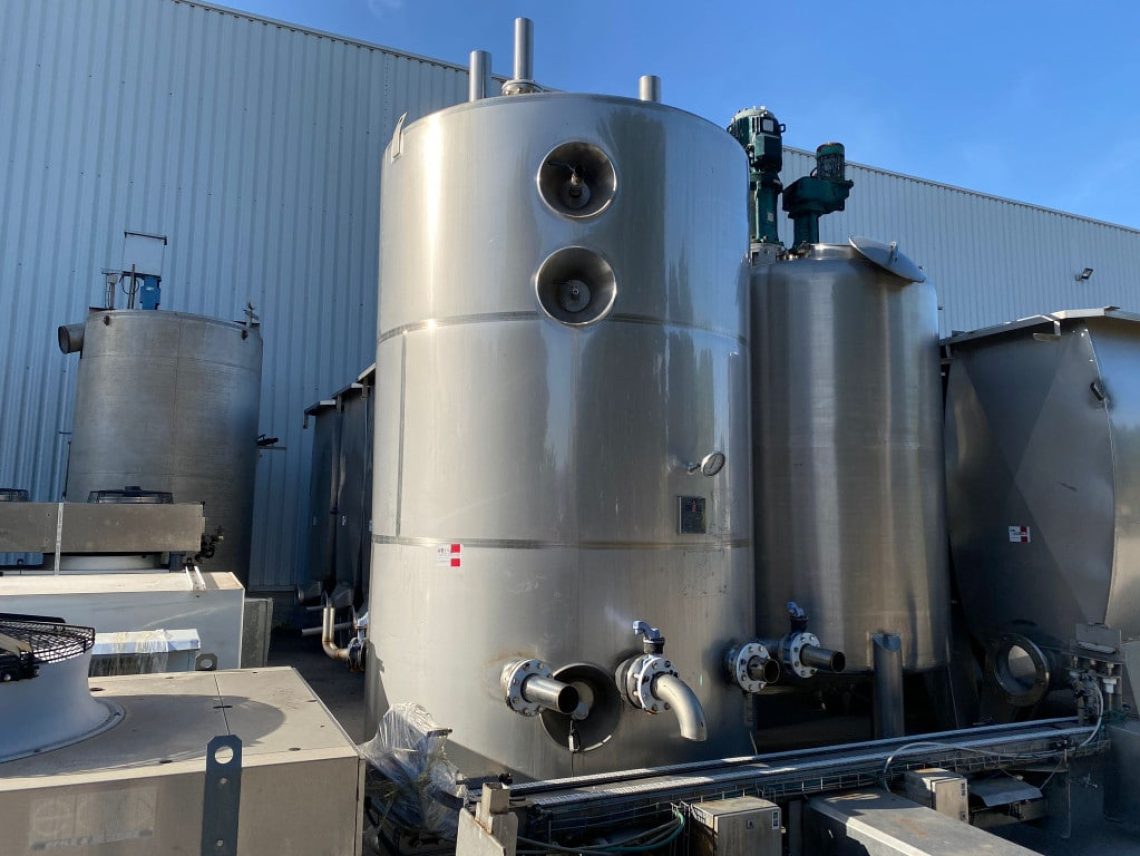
(535, 438)
(848, 490)
(169, 402)
(1043, 475)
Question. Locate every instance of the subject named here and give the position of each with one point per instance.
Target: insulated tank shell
(528, 471)
(169, 401)
(848, 491)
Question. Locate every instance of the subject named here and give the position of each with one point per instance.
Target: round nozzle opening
(592, 723)
(551, 694)
(567, 700)
(767, 671)
(577, 179)
(1020, 669)
(576, 286)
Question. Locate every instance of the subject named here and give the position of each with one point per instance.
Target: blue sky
(1036, 101)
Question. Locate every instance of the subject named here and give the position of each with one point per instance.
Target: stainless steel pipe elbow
(680, 698)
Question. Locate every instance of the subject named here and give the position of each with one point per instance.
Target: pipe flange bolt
(738, 660)
(640, 675)
(514, 676)
(793, 645)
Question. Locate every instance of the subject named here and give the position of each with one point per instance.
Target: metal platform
(558, 807)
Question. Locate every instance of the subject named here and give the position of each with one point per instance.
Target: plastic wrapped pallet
(420, 788)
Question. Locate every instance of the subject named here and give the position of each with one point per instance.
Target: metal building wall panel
(255, 147)
(991, 259)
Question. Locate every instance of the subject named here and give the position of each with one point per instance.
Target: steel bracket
(221, 800)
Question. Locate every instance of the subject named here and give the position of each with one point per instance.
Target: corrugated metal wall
(991, 260)
(255, 148)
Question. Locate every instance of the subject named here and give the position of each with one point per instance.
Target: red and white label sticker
(1019, 535)
(449, 555)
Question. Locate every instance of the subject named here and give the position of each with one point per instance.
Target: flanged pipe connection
(651, 683)
(751, 666)
(800, 653)
(528, 689)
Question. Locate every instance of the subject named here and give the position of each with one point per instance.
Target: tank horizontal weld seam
(457, 320)
(522, 544)
(645, 319)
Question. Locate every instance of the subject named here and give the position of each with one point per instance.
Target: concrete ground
(342, 691)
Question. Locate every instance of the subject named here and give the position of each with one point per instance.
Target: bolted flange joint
(751, 666)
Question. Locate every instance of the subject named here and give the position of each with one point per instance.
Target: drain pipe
(889, 713)
(651, 683)
(353, 653)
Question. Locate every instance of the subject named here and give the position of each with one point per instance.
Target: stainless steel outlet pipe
(823, 659)
(680, 698)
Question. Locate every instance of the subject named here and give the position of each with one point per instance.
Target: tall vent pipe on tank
(522, 82)
(478, 75)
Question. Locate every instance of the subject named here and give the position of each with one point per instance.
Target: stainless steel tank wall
(848, 490)
(340, 489)
(169, 401)
(325, 419)
(354, 496)
(553, 456)
(1043, 475)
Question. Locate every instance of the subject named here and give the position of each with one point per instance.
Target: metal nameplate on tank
(691, 519)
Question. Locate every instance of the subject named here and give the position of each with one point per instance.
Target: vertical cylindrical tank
(847, 450)
(562, 340)
(169, 402)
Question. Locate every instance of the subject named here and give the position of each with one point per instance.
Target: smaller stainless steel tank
(847, 451)
(1043, 475)
(169, 401)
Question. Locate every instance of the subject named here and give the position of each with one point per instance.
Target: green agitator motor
(806, 199)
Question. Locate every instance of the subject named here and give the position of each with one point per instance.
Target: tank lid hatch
(888, 257)
(131, 495)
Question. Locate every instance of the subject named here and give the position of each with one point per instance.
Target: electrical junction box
(741, 826)
(945, 792)
(143, 252)
(139, 788)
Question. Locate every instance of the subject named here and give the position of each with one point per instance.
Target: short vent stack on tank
(167, 401)
(561, 513)
(847, 439)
